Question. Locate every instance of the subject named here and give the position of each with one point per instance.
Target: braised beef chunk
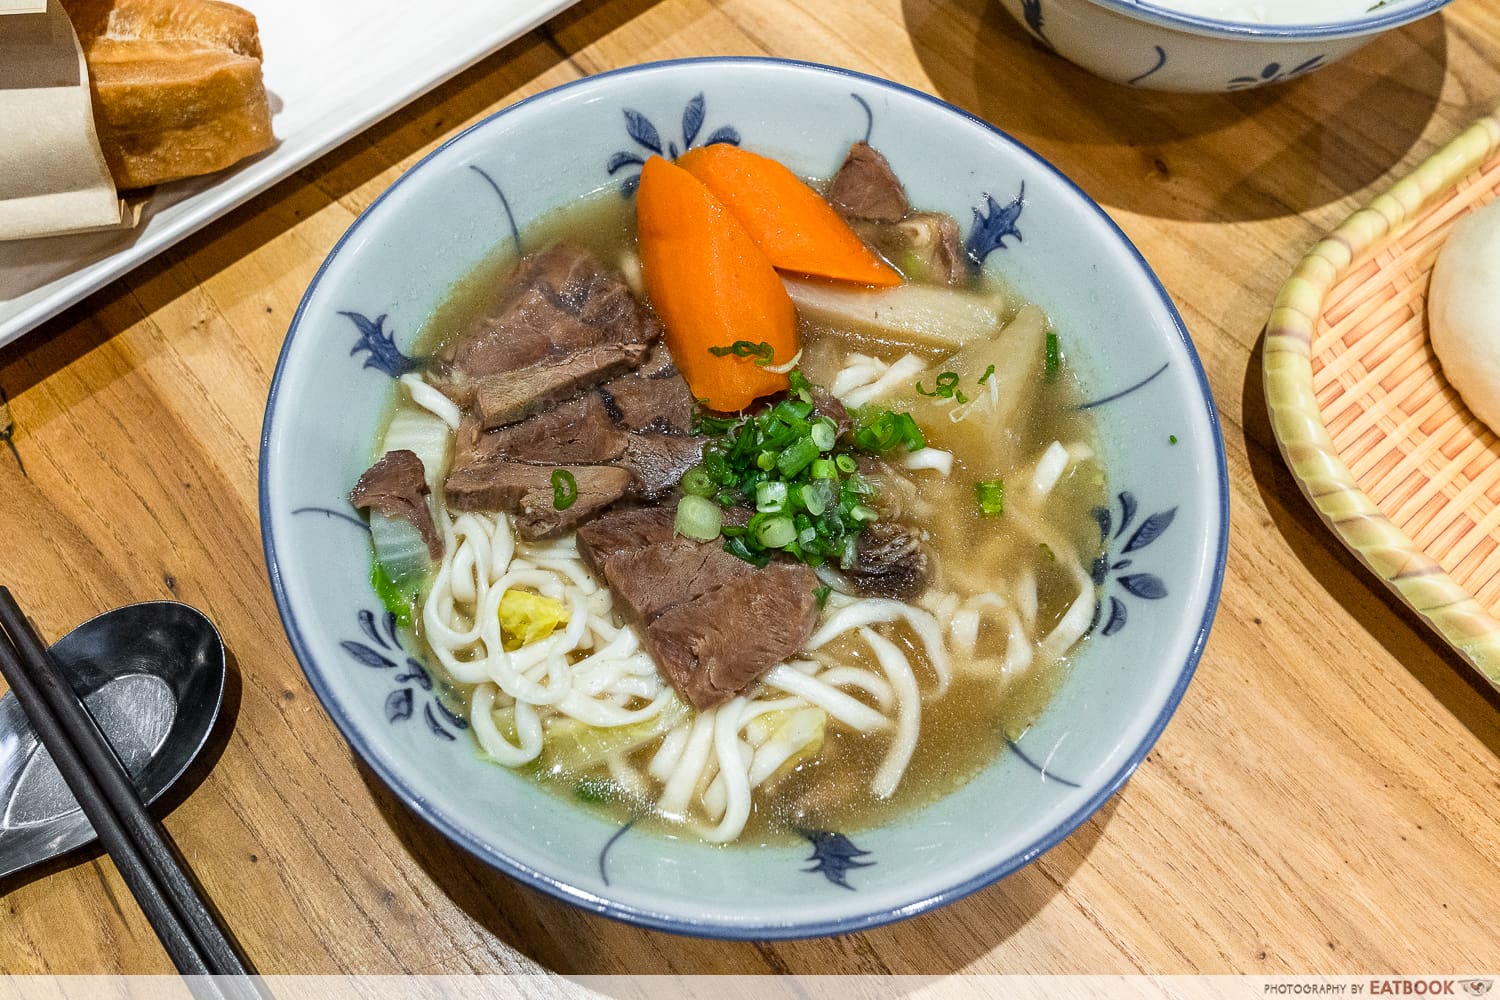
(891, 560)
(396, 486)
(657, 461)
(527, 491)
(658, 363)
(657, 578)
(648, 566)
(579, 430)
(712, 648)
(866, 188)
(560, 301)
(508, 397)
(640, 403)
(713, 623)
(932, 243)
(621, 531)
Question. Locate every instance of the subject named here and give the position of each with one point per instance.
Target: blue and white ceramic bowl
(1165, 531)
(1144, 44)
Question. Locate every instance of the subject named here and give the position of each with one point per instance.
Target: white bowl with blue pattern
(1149, 45)
(1164, 533)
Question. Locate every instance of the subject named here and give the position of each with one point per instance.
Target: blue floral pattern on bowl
(1143, 585)
(1275, 73)
(401, 703)
(646, 136)
(1158, 45)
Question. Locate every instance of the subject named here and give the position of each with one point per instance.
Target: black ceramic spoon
(152, 676)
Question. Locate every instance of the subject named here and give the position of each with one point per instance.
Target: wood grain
(1326, 799)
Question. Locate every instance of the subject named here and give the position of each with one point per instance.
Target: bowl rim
(1144, 10)
(654, 919)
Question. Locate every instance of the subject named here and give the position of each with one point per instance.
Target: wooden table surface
(1326, 799)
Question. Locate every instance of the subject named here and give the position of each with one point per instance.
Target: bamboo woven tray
(1381, 444)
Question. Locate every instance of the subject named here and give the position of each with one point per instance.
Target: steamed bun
(1463, 311)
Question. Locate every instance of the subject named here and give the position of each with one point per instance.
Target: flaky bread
(176, 85)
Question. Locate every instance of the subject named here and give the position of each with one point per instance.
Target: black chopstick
(197, 944)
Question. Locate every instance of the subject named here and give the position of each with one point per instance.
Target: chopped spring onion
(777, 533)
(1053, 363)
(799, 474)
(737, 547)
(798, 456)
(697, 482)
(821, 595)
(817, 497)
(987, 373)
(800, 386)
(763, 353)
(991, 497)
(770, 496)
(824, 433)
(945, 387)
(564, 489)
(886, 430)
(699, 517)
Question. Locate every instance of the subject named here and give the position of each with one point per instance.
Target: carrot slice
(712, 287)
(790, 221)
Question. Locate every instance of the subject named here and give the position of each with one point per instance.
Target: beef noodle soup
(740, 585)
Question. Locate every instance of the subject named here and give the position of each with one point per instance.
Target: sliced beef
(578, 431)
(527, 492)
(866, 188)
(658, 461)
(712, 648)
(890, 560)
(621, 531)
(508, 397)
(650, 403)
(648, 566)
(656, 578)
(396, 486)
(713, 623)
(658, 363)
(560, 301)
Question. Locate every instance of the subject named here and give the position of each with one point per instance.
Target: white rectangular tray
(332, 68)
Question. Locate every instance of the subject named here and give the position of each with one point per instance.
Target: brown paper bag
(53, 178)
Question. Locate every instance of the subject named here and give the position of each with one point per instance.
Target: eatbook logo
(1431, 987)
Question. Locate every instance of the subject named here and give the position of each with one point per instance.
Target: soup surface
(1006, 595)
